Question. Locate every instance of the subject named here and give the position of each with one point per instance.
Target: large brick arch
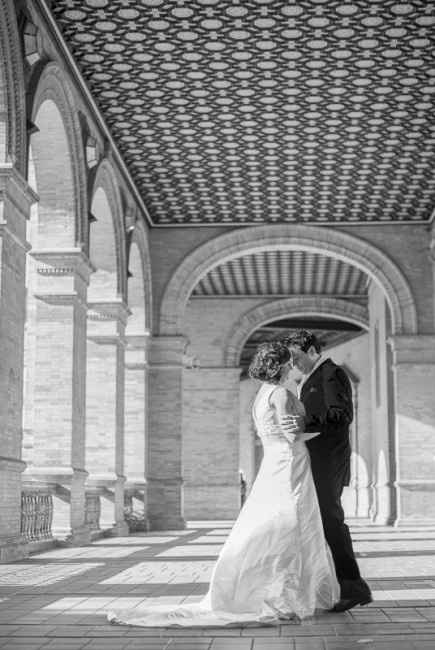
(53, 86)
(113, 229)
(12, 92)
(245, 241)
(294, 307)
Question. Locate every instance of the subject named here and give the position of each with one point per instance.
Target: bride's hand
(295, 424)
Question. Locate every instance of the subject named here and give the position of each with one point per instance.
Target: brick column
(164, 462)
(57, 412)
(136, 414)
(414, 372)
(16, 197)
(211, 434)
(105, 409)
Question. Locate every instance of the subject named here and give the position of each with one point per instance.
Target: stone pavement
(57, 599)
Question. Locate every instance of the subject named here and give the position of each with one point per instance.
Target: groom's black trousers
(329, 490)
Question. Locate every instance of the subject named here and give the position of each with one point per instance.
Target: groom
(325, 391)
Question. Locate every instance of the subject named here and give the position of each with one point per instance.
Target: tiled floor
(57, 599)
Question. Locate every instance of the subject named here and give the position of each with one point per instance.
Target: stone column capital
(63, 275)
(135, 360)
(219, 376)
(108, 311)
(63, 262)
(139, 341)
(15, 188)
(54, 475)
(413, 349)
(12, 464)
(230, 371)
(16, 197)
(106, 322)
(167, 351)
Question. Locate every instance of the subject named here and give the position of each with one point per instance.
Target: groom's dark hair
(304, 340)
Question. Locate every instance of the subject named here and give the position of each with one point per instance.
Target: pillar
(16, 198)
(383, 507)
(136, 414)
(164, 462)
(105, 410)
(59, 383)
(211, 433)
(356, 497)
(414, 400)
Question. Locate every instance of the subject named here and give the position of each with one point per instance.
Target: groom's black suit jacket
(327, 397)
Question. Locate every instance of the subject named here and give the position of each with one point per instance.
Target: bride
(275, 565)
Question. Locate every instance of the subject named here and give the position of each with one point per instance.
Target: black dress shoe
(347, 603)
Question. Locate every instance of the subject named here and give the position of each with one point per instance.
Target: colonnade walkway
(57, 599)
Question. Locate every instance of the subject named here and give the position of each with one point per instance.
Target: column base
(166, 523)
(358, 521)
(383, 509)
(13, 549)
(382, 521)
(120, 529)
(415, 502)
(76, 537)
(212, 502)
(414, 522)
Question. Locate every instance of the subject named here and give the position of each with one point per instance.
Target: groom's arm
(338, 398)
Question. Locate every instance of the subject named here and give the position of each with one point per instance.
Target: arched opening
(102, 250)
(107, 316)
(246, 296)
(136, 291)
(51, 224)
(347, 344)
(50, 169)
(333, 244)
(135, 384)
(53, 435)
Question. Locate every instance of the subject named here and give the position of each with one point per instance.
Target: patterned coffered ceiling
(283, 273)
(253, 111)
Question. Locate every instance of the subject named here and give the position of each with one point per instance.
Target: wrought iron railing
(92, 511)
(36, 515)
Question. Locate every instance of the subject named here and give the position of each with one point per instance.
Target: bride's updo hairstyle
(268, 362)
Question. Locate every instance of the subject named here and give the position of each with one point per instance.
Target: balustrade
(36, 515)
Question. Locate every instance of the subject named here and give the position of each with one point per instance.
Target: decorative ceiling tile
(254, 111)
(283, 273)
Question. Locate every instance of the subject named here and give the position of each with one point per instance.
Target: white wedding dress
(275, 565)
